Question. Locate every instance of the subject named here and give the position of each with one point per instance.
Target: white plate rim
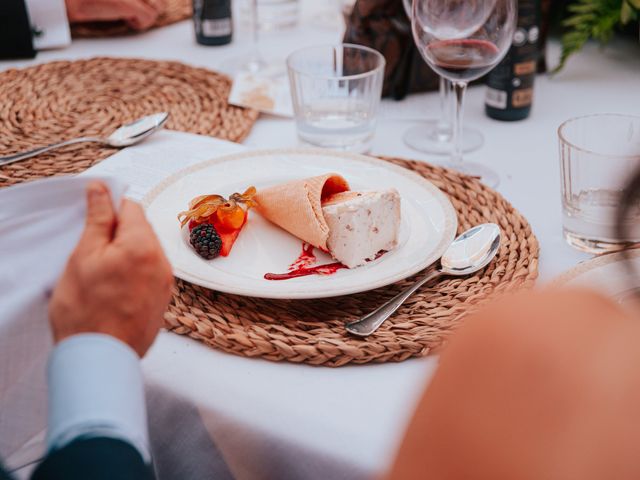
(594, 263)
(448, 233)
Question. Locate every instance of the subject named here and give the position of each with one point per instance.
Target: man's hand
(138, 14)
(117, 281)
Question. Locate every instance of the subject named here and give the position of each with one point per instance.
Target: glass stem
(254, 22)
(459, 88)
(256, 58)
(443, 126)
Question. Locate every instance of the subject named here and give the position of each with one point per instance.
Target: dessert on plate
(353, 227)
(215, 222)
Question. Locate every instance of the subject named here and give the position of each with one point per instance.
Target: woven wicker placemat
(91, 97)
(62, 100)
(174, 11)
(312, 331)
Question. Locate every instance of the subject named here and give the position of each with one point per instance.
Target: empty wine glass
(251, 62)
(462, 40)
(434, 135)
(334, 15)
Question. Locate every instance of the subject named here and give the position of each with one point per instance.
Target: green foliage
(594, 19)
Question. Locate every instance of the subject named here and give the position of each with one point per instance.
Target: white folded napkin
(40, 224)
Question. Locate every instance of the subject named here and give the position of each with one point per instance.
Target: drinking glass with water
(336, 93)
(598, 155)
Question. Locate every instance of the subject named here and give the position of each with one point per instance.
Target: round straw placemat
(63, 100)
(173, 11)
(312, 331)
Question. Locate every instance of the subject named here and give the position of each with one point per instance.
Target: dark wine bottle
(212, 21)
(510, 85)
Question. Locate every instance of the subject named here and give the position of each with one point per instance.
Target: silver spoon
(470, 252)
(126, 135)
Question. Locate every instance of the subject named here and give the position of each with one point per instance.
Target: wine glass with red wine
(462, 40)
(434, 135)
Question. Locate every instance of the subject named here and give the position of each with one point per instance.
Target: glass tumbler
(598, 155)
(336, 92)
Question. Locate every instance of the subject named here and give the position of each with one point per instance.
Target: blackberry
(206, 241)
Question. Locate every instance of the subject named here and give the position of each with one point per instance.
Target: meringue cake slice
(361, 224)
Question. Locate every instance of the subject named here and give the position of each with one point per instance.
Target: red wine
(462, 59)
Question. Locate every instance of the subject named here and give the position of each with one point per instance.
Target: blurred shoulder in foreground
(540, 385)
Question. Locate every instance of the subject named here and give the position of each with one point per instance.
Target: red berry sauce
(305, 259)
(302, 266)
(326, 269)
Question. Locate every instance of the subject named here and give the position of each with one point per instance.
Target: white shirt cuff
(49, 18)
(96, 390)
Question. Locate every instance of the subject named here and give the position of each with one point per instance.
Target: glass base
(361, 145)
(331, 19)
(428, 137)
(248, 63)
(595, 247)
(486, 175)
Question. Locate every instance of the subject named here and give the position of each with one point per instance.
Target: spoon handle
(370, 322)
(16, 157)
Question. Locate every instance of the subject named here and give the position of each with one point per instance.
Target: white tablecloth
(214, 415)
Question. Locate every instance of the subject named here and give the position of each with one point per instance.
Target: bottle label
(522, 97)
(510, 84)
(218, 27)
(524, 68)
(496, 98)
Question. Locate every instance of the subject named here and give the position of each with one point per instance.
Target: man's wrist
(69, 340)
(61, 336)
(96, 389)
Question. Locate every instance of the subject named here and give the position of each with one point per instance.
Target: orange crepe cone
(296, 206)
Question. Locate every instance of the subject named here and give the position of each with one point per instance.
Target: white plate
(428, 224)
(606, 274)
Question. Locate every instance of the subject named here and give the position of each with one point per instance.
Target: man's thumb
(101, 218)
